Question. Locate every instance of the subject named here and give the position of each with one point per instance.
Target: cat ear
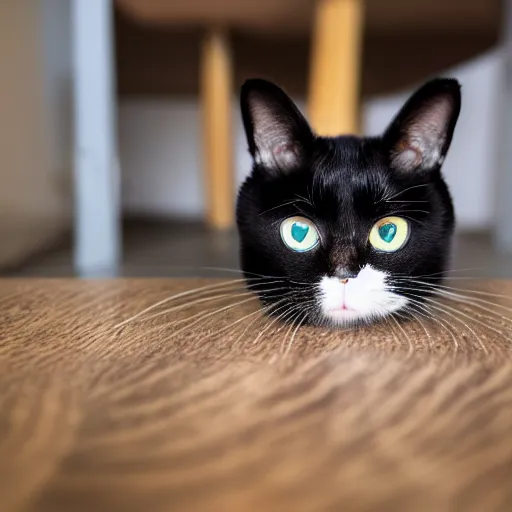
(277, 133)
(420, 135)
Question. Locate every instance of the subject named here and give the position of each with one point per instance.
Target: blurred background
(122, 145)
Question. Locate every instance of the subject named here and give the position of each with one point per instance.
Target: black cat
(339, 230)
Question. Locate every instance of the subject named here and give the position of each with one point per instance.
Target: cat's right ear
(277, 133)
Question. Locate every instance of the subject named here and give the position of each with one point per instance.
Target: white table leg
(97, 202)
(503, 228)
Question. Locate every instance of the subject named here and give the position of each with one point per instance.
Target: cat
(339, 230)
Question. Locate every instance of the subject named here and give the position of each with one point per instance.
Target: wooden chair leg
(335, 67)
(216, 98)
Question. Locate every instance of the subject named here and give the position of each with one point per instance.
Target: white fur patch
(366, 297)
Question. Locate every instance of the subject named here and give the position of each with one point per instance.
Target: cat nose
(345, 262)
(345, 275)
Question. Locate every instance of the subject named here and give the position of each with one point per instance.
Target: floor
(167, 249)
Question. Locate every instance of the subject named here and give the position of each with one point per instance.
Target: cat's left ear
(277, 133)
(420, 135)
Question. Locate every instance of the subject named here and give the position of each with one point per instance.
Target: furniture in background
(334, 79)
(503, 227)
(334, 29)
(333, 51)
(97, 185)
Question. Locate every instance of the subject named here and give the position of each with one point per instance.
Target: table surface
(201, 403)
(295, 16)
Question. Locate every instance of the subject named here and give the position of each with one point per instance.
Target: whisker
(265, 311)
(226, 308)
(403, 201)
(391, 328)
(258, 311)
(181, 307)
(446, 310)
(418, 319)
(296, 307)
(411, 346)
(412, 219)
(199, 314)
(279, 206)
(210, 314)
(290, 307)
(179, 296)
(406, 190)
(452, 271)
(480, 307)
(265, 280)
(262, 276)
(217, 297)
(304, 200)
(455, 289)
(410, 211)
(293, 319)
(237, 271)
(310, 197)
(295, 332)
(455, 297)
(437, 320)
(468, 301)
(469, 278)
(386, 193)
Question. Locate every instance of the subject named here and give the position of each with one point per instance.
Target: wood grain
(161, 416)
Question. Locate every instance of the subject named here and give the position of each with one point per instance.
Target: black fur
(341, 184)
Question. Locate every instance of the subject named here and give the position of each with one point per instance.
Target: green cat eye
(389, 234)
(299, 234)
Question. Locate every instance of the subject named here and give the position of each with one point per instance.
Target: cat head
(336, 230)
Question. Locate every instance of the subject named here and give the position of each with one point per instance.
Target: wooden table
(204, 415)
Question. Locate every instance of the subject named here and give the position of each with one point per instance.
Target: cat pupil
(387, 232)
(299, 231)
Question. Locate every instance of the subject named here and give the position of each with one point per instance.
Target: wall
(57, 83)
(32, 205)
(472, 162)
(161, 164)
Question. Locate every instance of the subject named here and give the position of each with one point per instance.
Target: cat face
(333, 230)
